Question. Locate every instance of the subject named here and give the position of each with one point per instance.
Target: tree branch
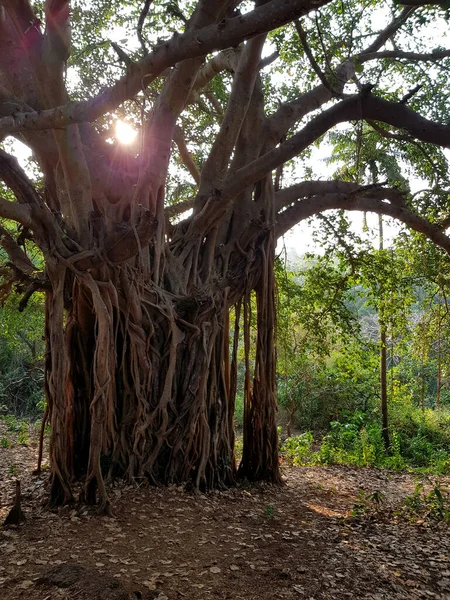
(317, 70)
(43, 221)
(224, 60)
(402, 138)
(215, 166)
(16, 179)
(357, 107)
(307, 189)
(185, 156)
(289, 113)
(398, 54)
(141, 20)
(192, 44)
(16, 255)
(179, 208)
(444, 224)
(16, 212)
(364, 201)
(160, 129)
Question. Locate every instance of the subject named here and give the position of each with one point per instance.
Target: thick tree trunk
(137, 384)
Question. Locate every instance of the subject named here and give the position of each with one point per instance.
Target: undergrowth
(15, 430)
(419, 441)
(428, 505)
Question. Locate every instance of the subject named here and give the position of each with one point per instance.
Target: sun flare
(125, 133)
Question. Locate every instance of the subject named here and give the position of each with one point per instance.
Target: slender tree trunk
(392, 369)
(383, 362)
(383, 387)
(438, 399)
(422, 375)
(291, 415)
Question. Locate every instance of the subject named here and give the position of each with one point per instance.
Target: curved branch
(185, 156)
(317, 70)
(192, 44)
(42, 221)
(18, 259)
(178, 209)
(289, 113)
(379, 200)
(287, 196)
(444, 224)
(357, 107)
(223, 61)
(403, 138)
(160, 128)
(16, 212)
(216, 164)
(141, 20)
(398, 54)
(16, 179)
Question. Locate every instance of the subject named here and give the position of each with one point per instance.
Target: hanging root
(260, 450)
(139, 382)
(45, 418)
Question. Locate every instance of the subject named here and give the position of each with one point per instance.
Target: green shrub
(419, 441)
(21, 357)
(427, 506)
(239, 410)
(298, 449)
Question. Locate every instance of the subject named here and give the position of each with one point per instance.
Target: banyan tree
(155, 255)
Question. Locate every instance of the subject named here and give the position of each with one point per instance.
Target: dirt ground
(249, 543)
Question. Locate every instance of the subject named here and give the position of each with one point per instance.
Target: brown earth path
(249, 543)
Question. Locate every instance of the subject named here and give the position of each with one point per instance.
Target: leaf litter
(254, 542)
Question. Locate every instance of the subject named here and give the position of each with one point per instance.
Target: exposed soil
(253, 542)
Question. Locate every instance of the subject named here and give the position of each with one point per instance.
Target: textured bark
(260, 449)
(135, 384)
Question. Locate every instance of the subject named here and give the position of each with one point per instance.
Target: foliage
(297, 449)
(331, 369)
(16, 430)
(427, 505)
(420, 442)
(21, 358)
(367, 505)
